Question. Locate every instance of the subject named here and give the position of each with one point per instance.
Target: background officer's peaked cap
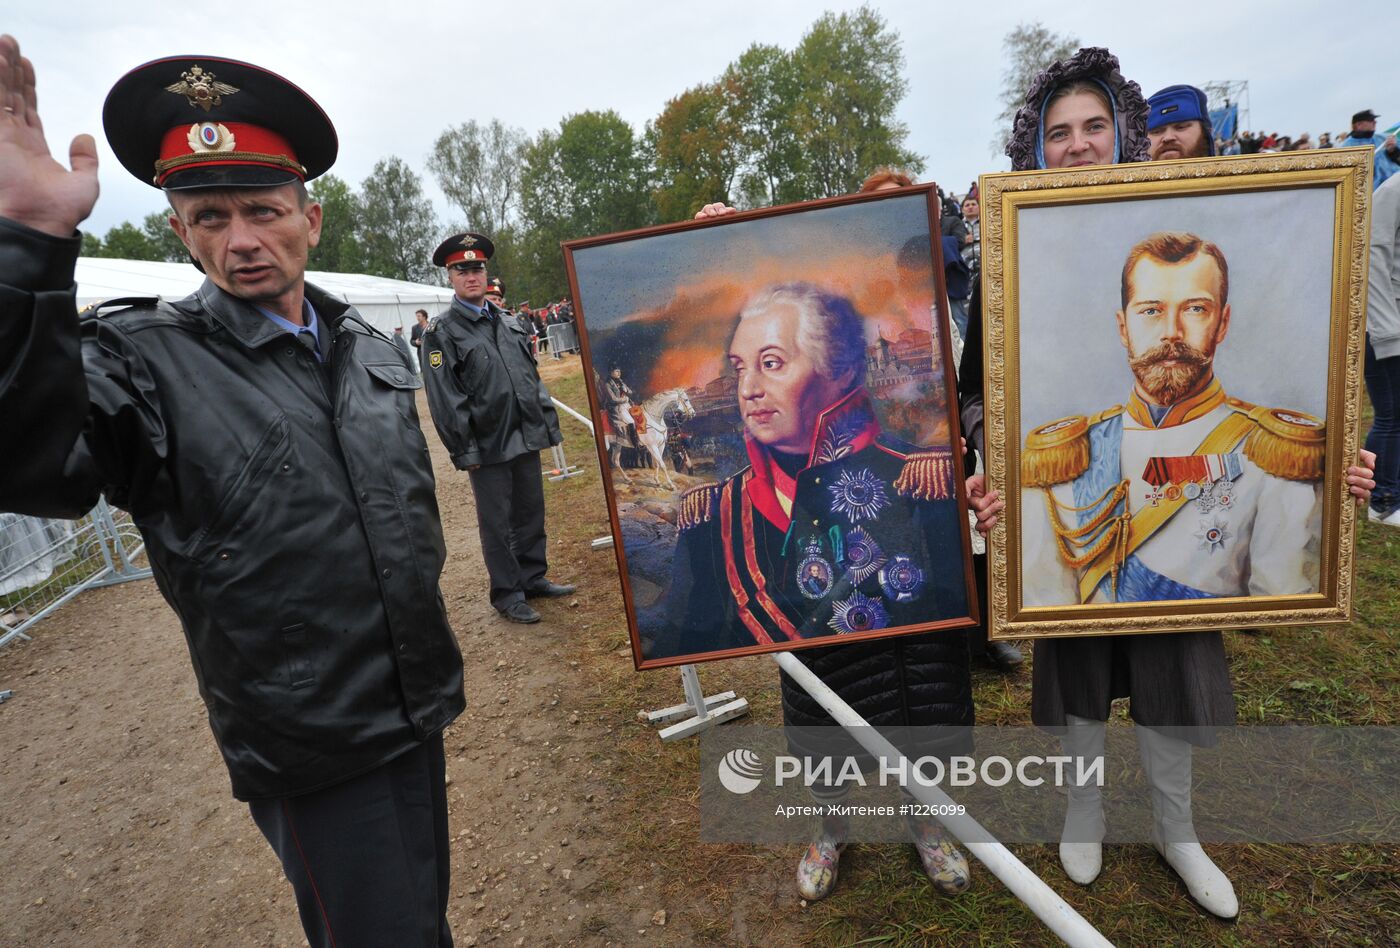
(463, 248)
(210, 122)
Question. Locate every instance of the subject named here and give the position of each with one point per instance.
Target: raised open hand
(35, 190)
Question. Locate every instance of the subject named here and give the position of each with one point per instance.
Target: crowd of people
(267, 442)
(1362, 132)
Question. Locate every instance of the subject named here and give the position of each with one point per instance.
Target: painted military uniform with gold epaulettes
(1213, 497)
(840, 546)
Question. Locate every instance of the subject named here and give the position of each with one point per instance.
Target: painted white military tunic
(1217, 497)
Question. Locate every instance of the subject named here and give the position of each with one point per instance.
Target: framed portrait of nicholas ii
(1174, 355)
(775, 406)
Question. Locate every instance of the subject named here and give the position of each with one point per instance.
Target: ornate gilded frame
(1348, 173)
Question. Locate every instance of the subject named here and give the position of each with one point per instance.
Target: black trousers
(368, 858)
(510, 515)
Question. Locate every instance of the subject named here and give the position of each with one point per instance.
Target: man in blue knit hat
(1178, 124)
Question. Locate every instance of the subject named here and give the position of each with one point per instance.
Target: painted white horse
(654, 438)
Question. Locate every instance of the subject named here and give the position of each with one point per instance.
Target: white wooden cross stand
(698, 713)
(562, 468)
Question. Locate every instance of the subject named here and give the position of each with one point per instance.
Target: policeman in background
(494, 416)
(496, 293)
(265, 440)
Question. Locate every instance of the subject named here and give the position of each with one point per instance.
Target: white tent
(384, 303)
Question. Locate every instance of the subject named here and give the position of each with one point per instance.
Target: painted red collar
(844, 428)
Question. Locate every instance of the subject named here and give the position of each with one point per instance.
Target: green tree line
(776, 126)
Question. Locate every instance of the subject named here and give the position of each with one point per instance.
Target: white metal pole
(1047, 905)
(561, 406)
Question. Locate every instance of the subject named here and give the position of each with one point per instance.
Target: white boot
(1081, 842)
(1167, 763)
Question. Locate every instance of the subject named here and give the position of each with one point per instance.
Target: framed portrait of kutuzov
(775, 406)
(1174, 356)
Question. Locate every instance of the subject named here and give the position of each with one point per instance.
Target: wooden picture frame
(1118, 518)
(834, 509)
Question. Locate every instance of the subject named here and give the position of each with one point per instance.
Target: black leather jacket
(484, 390)
(288, 507)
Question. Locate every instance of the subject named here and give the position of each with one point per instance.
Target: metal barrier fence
(561, 338)
(45, 563)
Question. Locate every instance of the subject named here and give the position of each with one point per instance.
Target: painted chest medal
(814, 573)
(858, 495)
(859, 613)
(901, 580)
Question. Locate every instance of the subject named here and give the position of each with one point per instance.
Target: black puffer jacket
(921, 682)
(288, 508)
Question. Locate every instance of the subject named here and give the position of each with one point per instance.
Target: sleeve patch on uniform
(435, 358)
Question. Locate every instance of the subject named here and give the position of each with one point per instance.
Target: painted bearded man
(1184, 492)
(831, 528)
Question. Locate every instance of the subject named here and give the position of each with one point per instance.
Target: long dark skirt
(1174, 680)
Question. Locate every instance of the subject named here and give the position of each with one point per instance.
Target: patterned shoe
(944, 863)
(816, 873)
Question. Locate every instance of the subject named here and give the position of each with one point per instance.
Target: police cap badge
(209, 122)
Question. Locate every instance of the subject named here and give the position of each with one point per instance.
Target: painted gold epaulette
(1285, 443)
(698, 505)
(926, 476)
(1059, 451)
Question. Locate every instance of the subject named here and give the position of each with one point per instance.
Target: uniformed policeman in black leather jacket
(265, 440)
(495, 416)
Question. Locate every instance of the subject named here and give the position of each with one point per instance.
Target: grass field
(1289, 895)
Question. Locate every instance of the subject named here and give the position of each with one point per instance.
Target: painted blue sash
(1102, 475)
(1139, 583)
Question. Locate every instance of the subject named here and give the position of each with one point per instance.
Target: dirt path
(117, 826)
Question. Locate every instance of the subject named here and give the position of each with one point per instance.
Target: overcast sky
(393, 75)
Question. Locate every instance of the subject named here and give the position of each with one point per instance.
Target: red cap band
(211, 144)
(461, 256)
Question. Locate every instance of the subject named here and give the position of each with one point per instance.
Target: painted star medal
(858, 495)
(901, 580)
(863, 556)
(1213, 534)
(859, 613)
(814, 573)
